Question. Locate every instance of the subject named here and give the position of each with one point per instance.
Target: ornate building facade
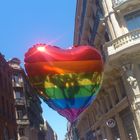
(113, 27)
(27, 104)
(7, 114)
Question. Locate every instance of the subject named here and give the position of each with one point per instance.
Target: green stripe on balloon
(71, 92)
(68, 85)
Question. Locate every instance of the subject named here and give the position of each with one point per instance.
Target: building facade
(50, 134)
(115, 114)
(7, 114)
(27, 104)
(47, 133)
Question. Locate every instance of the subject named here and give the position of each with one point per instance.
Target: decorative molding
(129, 75)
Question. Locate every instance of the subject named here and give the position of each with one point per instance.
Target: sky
(24, 23)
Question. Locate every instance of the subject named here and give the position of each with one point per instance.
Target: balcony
(121, 4)
(20, 101)
(124, 44)
(118, 2)
(23, 121)
(17, 84)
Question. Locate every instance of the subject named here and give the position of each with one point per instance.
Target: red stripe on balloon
(42, 68)
(49, 53)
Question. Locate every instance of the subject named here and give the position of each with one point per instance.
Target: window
(89, 135)
(20, 114)
(12, 112)
(133, 20)
(18, 94)
(6, 133)
(7, 104)
(21, 132)
(106, 36)
(115, 131)
(17, 78)
(128, 122)
(3, 105)
(0, 79)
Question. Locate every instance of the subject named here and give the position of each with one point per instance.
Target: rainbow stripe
(68, 81)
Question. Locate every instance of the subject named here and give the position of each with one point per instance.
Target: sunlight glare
(41, 49)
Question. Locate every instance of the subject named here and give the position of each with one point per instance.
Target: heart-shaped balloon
(67, 79)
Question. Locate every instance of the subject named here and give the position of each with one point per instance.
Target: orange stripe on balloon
(58, 67)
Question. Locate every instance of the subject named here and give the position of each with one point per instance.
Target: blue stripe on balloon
(74, 103)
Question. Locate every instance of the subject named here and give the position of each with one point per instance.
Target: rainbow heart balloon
(67, 79)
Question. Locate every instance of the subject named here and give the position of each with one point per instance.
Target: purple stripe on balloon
(71, 114)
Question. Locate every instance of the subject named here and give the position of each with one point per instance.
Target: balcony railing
(23, 122)
(118, 2)
(17, 84)
(20, 101)
(125, 41)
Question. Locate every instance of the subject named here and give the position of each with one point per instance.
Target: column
(108, 20)
(115, 25)
(131, 86)
(120, 127)
(130, 80)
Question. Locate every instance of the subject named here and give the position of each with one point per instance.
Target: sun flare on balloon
(41, 48)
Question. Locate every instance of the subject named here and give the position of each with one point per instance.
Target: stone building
(72, 131)
(7, 113)
(115, 114)
(27, 104)
(47, 133)
(50, 134)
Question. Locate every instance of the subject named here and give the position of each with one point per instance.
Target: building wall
(7, 114)
(119, 97)
(27, 103)
(88, 13)
(50, 134)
